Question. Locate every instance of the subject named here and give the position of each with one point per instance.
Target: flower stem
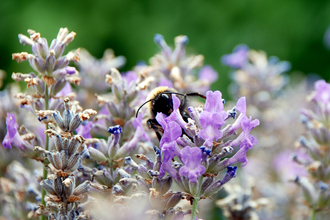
(196, 199)
(44, 176)
(111, 167)
(313, 214)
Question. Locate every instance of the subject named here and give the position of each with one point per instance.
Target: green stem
(111, 167)
(43, 192)
(313, 214)
(196, 199)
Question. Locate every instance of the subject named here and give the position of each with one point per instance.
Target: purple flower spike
(322, 91)
(191, 157)
(12, 137)
(238, 58)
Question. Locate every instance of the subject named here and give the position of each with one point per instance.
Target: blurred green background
(291, 30)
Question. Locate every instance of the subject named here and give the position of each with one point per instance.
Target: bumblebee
(160, 100)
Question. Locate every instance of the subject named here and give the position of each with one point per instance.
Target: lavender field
(162, 130)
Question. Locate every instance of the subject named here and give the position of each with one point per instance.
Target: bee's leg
(153, 124)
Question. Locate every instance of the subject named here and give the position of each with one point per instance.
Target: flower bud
(57, 160)
(156, 184)
(97, 155)
(206, 184)
(59, 120)
(25, 40)
(166, 184)
(308, 189)
(112, 108)
(82, 188)
(117, 190)
(131, 96)
(38, 65)
(58, 187)
(73, 145)
(130, 162)
(75, 123)
(173, 200)
(48, 185)
(64, 158)
(74, 162)
(142, 170)
(50, 62)
(57, 87)
(104, 178)
(123, 173)
(61, 62)
(69, 184)
(42, 47)
(58, 143)
(67, 116)
(214, 188)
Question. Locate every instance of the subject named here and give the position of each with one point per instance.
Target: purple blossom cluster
(255, 76)
(84, 167)
(205, 141)
(90, 151)
(317, 145)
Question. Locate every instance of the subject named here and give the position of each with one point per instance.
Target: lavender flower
(24, 142)
(315, 190)
(194, 159)
(192, 168)
(12, 134)
(48, 61)
(201, 131)
(256, 77)
(212, 118)
(93, 71)
(322, 92)
(177, 68)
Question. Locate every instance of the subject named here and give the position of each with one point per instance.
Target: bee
(160, 100)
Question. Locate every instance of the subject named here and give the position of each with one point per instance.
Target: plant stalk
(313, 214)
(44, 176)
(196, 199)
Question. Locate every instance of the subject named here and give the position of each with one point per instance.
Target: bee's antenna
(176, 93)
(196, 94)
(188, 94)
(137, 112)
